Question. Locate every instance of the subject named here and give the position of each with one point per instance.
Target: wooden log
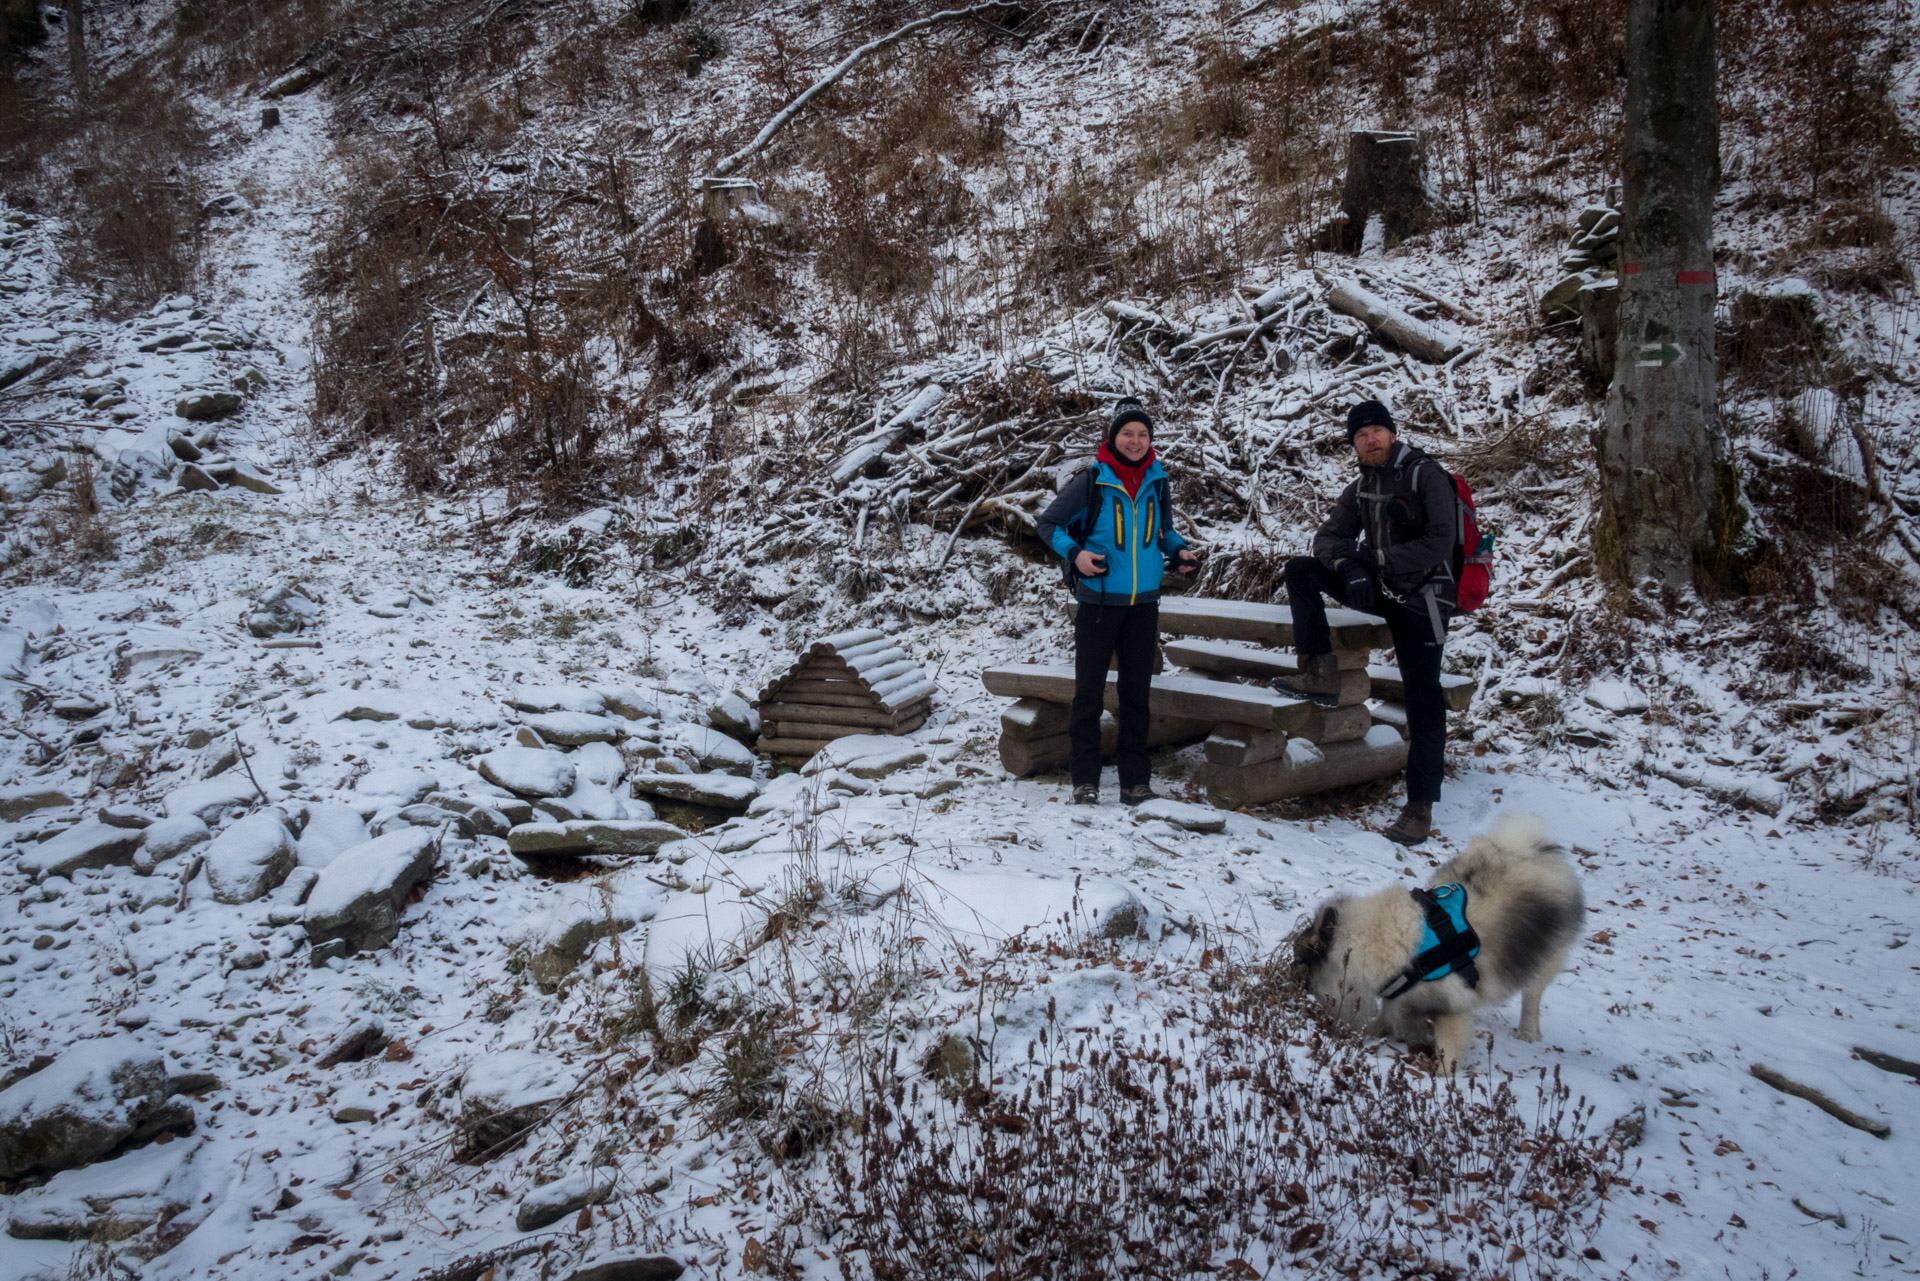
(1032, 718)
(788, 746)
(1337, 724)
(1304, 769)
(1394, 714)
(1238, 745)
(1190, 697)
(838, 695)
(1415, 337)
(1265, 624)
(1456, 690)
(1024, 756)
(877, 717)
(807, 729)
(1224, 658)
(1263, 665)
(906, 691)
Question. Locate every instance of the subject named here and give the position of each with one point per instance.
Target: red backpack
(1472, 551)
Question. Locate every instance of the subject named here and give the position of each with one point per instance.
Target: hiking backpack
(1472, 549)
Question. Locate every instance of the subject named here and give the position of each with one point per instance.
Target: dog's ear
(1315, 943)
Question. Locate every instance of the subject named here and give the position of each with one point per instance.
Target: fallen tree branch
(1787, 1085)
(846, 64)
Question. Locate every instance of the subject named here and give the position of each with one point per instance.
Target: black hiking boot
(1414, 825)
(1137, 793)
(1086, 793)
(1318, 678)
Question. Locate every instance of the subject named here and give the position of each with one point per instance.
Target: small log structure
(858, 682)
(1261, 746)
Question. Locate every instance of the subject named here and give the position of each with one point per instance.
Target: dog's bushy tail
(1525, 835)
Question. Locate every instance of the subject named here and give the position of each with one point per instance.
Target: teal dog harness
(1447, 944)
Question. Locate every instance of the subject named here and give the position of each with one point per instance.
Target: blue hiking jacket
(1127, 531)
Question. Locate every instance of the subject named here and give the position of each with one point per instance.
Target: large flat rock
(592, 836)
(89, 844)
(359, 895)
(527, 771)
(717, 791)
(89, 1101)
(251, 857)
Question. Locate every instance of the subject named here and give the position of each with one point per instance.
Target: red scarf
(1130, 474)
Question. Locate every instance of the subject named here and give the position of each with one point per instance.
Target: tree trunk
(1669, 497)
(77, 49)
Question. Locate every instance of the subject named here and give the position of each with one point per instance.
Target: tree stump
(1386, 179)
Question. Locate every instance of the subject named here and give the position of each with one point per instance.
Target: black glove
(1349, 552)
(1408, 515)
(1359, 585)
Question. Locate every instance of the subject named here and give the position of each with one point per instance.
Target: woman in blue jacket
(1113, 525)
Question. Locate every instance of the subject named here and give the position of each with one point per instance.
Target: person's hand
(1188, 562)
(1349, 553)
(1359, 586)
(1090, 564)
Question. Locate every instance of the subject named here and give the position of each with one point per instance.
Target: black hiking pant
(1414, 644)
(1099, 632)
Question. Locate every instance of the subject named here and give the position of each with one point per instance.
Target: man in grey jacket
(1386, 548)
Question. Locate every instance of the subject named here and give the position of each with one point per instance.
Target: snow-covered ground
(400, 646)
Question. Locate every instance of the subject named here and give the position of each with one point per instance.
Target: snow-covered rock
(96, 1096)
(571, 729)
(18, 802)
(717, 791)
(89, 844)
(358, 897)
(209, 799)
(558, 936)
(1618, 697)
(551, 1202)
(330, 831)
(1193, 818)
(598, 763)
(713, 750)
(592, 836)
(527, 771)
(251, 857)
(555, 698)
(118, 1199)
(169, 838)
(285, 609)
(843, 752)
(735, 716)
(778, 795)
(628, 703)
(884, 764)
(503, 1095)
(395, 785)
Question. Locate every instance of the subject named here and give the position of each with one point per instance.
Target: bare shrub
(1262, 1140)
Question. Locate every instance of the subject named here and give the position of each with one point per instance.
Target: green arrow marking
(1659, 355)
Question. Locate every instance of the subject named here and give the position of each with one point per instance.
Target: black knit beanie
(1368, 413)
(1129, 410)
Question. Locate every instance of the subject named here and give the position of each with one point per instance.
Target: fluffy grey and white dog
(1524, 902)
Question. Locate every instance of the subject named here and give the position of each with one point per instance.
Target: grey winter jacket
(1405, 561)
